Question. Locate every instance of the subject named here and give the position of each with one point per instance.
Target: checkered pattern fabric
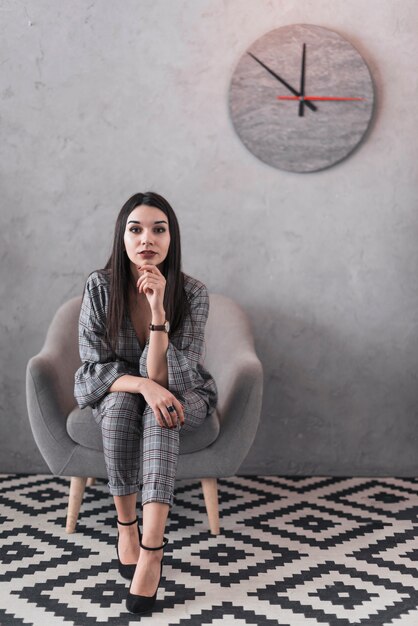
(101, 366)
(128, 425)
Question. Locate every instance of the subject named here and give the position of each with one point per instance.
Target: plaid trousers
(128, 427)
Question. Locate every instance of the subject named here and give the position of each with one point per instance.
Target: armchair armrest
(48, 412)
(238, 373)
(240, 417)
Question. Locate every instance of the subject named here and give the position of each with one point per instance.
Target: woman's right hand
(159, 398)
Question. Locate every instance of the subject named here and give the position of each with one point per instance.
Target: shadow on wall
(330, 402)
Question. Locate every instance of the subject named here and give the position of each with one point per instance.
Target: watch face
(301, 98)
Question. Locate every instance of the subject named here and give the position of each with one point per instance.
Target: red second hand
(324, 98)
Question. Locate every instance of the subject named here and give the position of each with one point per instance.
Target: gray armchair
(70, 440)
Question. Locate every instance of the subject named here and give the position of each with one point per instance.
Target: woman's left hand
(152, 284)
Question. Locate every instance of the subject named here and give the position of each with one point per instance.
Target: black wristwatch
(165, 327)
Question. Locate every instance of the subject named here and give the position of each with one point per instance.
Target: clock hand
(289, 87)
(320, 98)
(302, 82)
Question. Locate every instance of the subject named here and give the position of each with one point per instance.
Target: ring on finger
(171, 408)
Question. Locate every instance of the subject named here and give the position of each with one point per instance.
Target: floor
(293, 551)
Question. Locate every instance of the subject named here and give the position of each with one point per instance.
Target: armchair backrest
(61, 344)
(229, 342)
(228, 339)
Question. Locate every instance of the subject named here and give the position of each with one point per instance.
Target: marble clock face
(301, 98)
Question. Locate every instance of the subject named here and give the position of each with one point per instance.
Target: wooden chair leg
(210, 493)
(77, 486)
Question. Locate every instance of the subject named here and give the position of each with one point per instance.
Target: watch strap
(163, 327)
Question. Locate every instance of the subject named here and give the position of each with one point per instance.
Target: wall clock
(301, 98)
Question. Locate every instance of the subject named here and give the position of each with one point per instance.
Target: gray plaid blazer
(101, 366)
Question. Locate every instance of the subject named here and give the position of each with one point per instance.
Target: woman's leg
(161, 449)
(147, 573)
(120, 420)
(160, 456)
(128, 544)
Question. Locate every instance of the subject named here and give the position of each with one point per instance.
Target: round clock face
(301, 98)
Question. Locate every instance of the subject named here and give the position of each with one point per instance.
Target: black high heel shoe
(144, 604)
(127, 570)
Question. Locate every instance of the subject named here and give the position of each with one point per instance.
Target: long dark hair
(176, 303)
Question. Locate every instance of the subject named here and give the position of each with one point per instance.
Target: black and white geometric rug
(294, 551)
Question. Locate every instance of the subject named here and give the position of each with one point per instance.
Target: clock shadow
(377, 85)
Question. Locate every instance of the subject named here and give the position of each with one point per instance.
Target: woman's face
(146, 230)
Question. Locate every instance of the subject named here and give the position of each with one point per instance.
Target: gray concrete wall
(103, 99)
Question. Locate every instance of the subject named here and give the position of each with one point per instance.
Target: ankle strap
(128, 523)
(165, 542)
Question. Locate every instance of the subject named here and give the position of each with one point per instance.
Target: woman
(141, 338)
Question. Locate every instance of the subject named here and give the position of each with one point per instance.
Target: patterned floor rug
(293, 551)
